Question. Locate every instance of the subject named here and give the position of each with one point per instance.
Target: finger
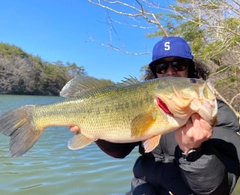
(74, 129)
(200, 121)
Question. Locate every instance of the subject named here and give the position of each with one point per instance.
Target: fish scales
(105, 110)
(130, 111)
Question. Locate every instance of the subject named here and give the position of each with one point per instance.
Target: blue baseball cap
(171, 47)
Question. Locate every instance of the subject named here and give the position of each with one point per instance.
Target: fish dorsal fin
(82, 84)
(128, 81)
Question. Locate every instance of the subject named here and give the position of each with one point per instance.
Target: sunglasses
(177, 65)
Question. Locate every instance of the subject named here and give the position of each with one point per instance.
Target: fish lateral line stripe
(163, 106)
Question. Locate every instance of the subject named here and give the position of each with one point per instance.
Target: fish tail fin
(19, 126)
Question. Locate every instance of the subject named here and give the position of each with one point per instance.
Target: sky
(62, 30)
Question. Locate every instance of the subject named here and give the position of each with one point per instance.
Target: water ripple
(50, 168)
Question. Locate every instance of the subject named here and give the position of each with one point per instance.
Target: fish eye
(192, 80)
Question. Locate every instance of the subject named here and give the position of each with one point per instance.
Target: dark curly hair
(196, 69)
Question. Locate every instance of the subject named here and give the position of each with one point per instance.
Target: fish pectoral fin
(79, 141)
(151, 143)
(142, 123)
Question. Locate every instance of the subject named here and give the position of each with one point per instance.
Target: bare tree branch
(211, 27)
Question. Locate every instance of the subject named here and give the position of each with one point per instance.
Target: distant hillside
(23, 73)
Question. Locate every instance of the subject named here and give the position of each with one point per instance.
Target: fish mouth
(163, 106)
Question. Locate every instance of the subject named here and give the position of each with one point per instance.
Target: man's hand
(193, 133)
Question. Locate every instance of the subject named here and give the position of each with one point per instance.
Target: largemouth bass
(130, 111)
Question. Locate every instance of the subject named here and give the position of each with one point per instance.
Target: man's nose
(170, 71)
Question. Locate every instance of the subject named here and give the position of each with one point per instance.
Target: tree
(74, 70)
(210, 26)
(23, 73)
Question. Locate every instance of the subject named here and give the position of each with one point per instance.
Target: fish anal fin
(151, 143)
(142, 123)
(79, 141)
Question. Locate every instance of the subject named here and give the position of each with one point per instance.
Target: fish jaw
(206, 105)
(176, 105)
(181, 104)
(206, 109)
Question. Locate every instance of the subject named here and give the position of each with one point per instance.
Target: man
(195, 159)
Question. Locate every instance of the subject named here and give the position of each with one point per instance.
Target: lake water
(50, 168)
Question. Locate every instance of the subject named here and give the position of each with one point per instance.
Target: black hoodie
(213, 169)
